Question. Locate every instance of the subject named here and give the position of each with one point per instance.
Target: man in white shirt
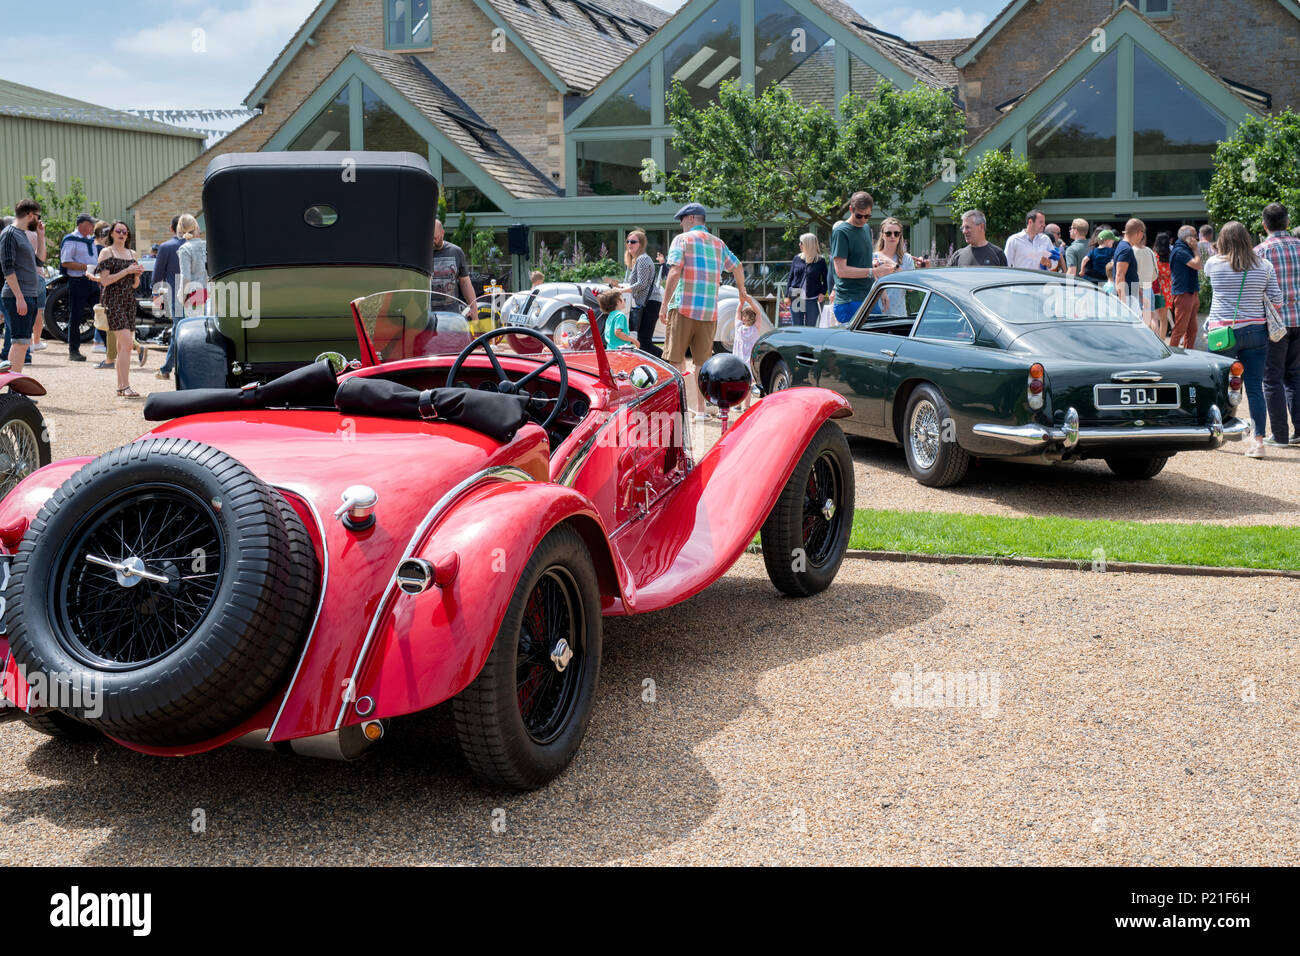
(1031, 248)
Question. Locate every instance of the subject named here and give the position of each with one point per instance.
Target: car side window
(892, 309)
(943, 320)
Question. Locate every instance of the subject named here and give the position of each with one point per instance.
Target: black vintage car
(293, 237)
(1009, 363)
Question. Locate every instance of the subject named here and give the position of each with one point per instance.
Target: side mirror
(338, 364)
(725, 380)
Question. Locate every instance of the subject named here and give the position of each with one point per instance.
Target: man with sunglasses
(856, 269)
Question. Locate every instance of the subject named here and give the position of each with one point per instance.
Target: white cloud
(945, 24)
(672, 6)
(157, 67)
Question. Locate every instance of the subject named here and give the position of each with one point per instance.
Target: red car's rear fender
(710, 518)
(430, 646)
(22, 384)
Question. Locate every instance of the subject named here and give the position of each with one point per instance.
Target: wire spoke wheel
(137, 577)
(550, 661)
(923, 434)
(822, 509)
(20, 453)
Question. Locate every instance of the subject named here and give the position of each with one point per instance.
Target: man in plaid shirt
(1282, 366)
(696, 261)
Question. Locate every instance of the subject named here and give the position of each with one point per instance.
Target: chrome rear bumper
(1069, 434)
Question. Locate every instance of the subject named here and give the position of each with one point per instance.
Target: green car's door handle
(890, 352)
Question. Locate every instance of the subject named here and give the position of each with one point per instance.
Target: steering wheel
(505, 385)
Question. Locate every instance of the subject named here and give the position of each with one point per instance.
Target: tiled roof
(459, 123)
(27, 101)
(944, 51)
(580, 40)
(908, 56)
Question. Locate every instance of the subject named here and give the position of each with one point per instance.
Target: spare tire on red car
(169, 585)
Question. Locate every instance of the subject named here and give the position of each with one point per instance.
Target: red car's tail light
(11, 535)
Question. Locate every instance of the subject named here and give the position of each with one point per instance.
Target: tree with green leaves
(1256, 165)
(1003, 187)
(767, 158)
(58, 210)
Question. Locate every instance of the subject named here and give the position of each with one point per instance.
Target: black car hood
(1091, 341)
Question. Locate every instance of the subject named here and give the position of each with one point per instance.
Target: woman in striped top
(1241, 281)
(640, 283)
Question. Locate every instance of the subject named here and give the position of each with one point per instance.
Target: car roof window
(892, 308)
(941, 319)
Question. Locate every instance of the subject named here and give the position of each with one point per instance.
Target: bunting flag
(187, 116)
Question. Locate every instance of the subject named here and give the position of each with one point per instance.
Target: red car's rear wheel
(522, 719)
(163, 590)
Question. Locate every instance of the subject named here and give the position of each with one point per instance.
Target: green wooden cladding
(116, 166)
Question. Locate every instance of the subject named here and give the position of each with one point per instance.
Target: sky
(208, 54)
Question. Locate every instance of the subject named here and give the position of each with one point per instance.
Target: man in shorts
(20, 275)
(696, 261)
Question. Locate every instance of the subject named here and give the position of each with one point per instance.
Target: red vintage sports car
(296, 564)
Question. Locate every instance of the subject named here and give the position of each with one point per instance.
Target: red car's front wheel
(522, 719)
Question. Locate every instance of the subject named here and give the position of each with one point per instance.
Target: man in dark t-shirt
(978, 251)
(449, 271)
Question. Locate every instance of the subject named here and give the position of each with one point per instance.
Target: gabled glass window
(630, 106)
(1072, 143)
(611, 167)
(706, 53)
(791, 50)
(407, 25)
(383, 129)
(1174, 132)
(329, 130)
(462, 195)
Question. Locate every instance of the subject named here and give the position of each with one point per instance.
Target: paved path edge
(1060, 563)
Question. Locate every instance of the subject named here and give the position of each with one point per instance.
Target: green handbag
(1222, 338)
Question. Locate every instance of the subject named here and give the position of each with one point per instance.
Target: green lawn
(1251, 546)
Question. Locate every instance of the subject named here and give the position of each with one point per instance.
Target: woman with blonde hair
(193, 257)
(807, 287)
(891, 245)
(639, 282)
(1241, 281)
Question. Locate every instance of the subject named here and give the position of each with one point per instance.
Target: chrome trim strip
(1177, 402)
(497, 472)
(1137, 375)
(320, 601)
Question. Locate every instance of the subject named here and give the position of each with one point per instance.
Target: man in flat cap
(696, 261)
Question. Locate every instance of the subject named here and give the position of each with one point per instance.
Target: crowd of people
(103, 273)
(1159, 279)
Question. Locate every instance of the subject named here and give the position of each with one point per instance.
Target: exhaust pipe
(346, 743)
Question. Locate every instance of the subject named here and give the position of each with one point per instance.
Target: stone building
(541, 111)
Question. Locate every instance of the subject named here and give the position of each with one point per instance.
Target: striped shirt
(1283, 250)
(1260, 282)
(703, 257)
(641, 279)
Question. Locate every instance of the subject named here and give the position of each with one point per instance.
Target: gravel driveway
(1138, 719)
(1123, 733)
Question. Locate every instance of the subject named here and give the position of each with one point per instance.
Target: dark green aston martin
(1008, 363)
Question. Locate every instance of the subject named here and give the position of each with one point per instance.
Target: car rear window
(1027, 303)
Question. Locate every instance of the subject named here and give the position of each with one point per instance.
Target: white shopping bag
(827, 318)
